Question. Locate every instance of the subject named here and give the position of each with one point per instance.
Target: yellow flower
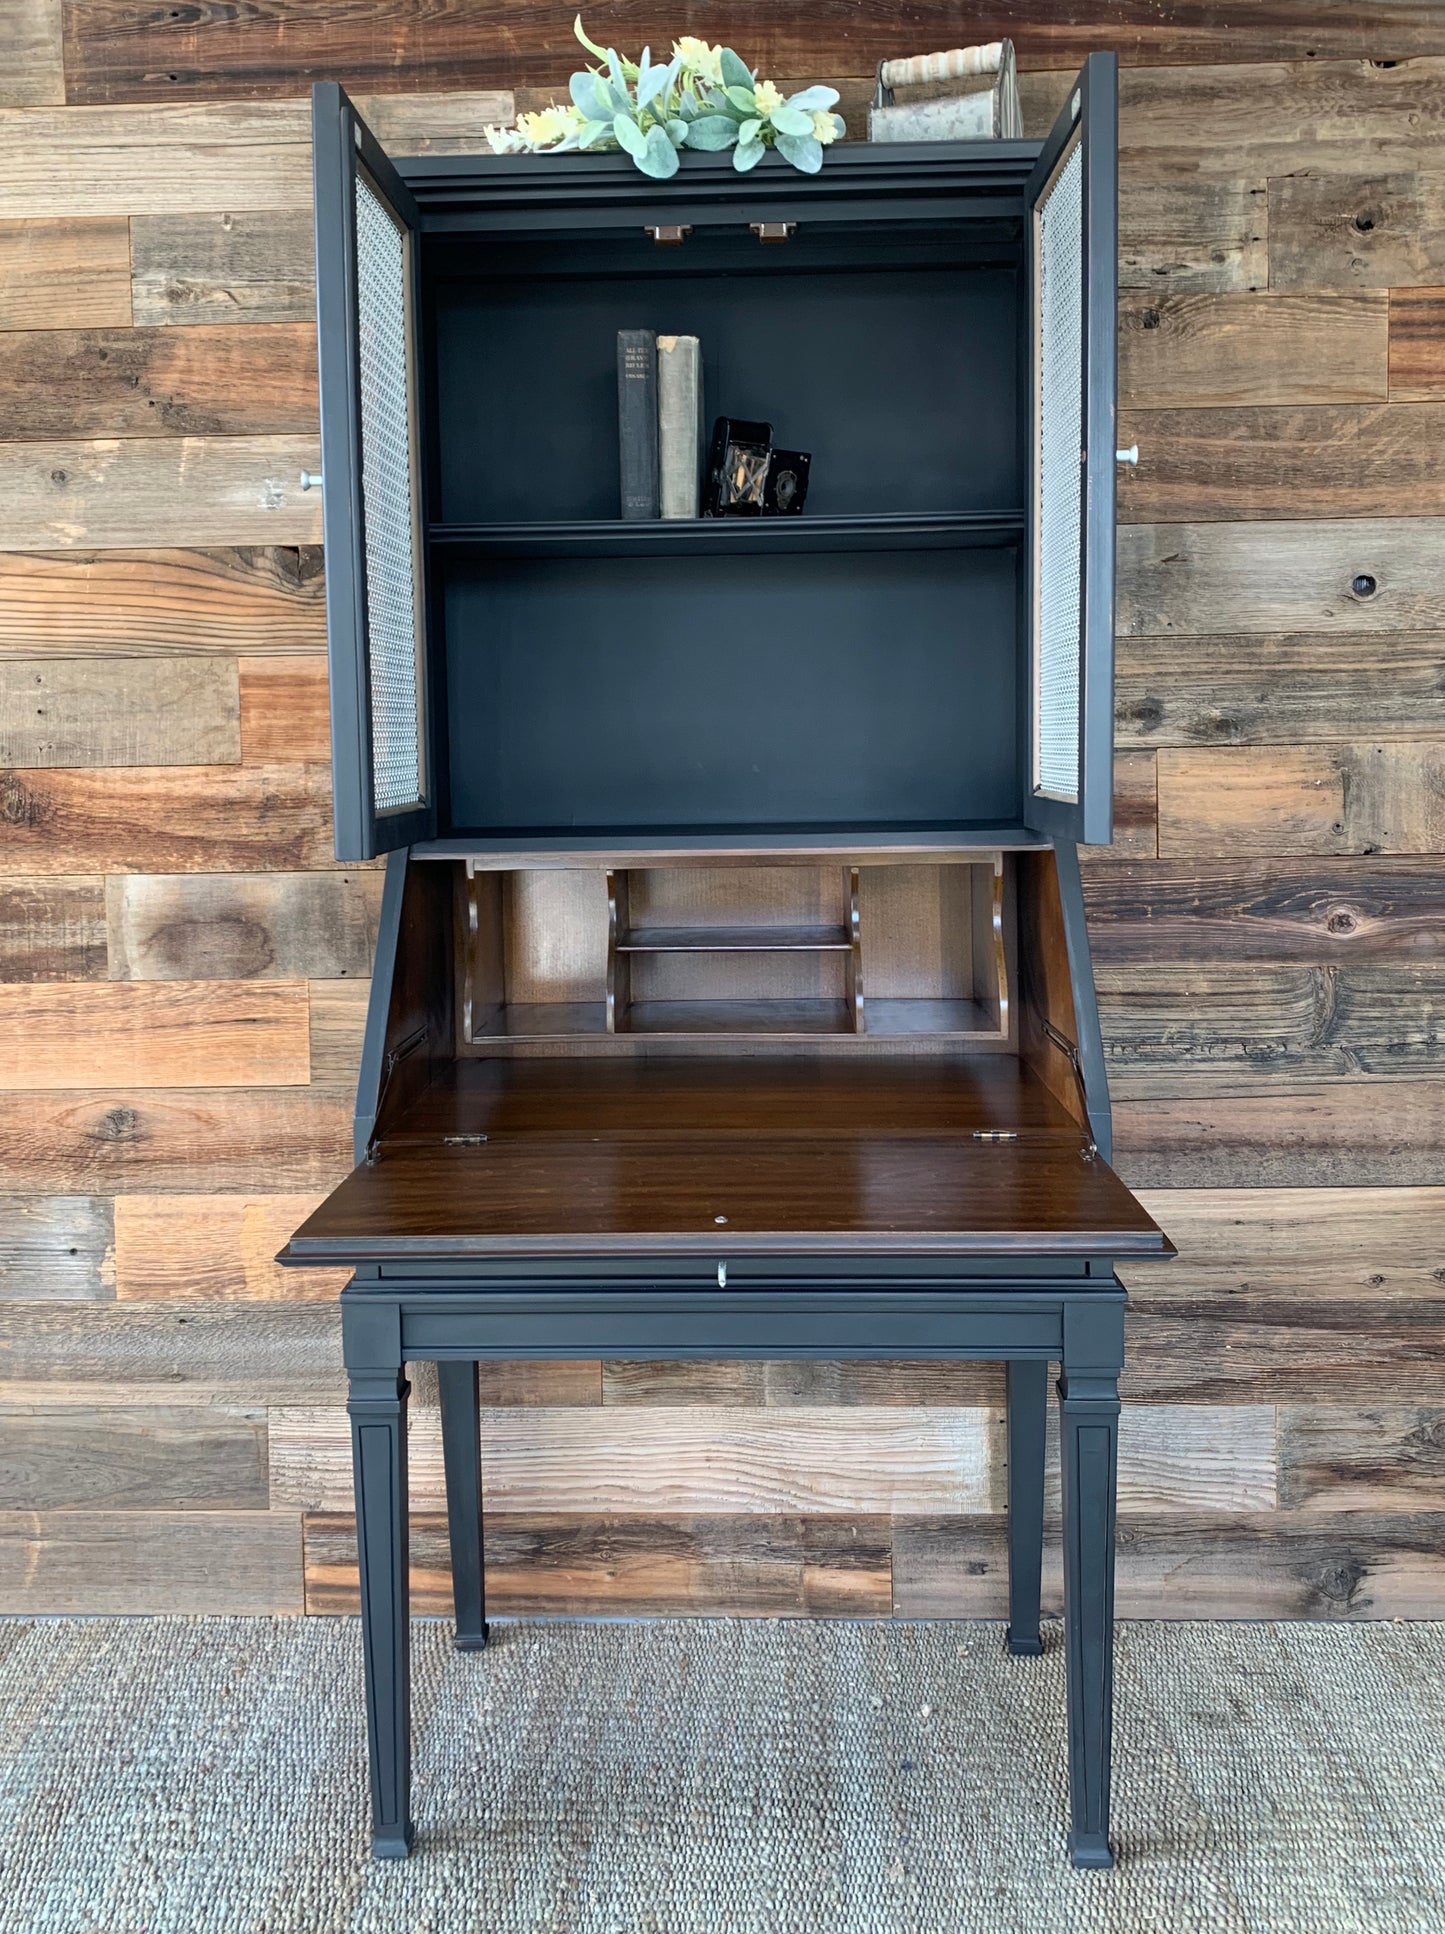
(825, 127)
(549, 125)
(767, 97)
(700, 59)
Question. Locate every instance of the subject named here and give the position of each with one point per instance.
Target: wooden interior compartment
(836, 954)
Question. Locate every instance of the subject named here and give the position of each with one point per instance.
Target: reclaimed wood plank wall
(184, 968)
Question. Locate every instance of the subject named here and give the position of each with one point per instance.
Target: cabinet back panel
(902, 383)
(607, 695)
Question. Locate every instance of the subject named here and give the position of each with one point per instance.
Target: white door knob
(1131, 455)
(310, 479)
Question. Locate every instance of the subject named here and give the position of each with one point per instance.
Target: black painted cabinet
(732, 994)
(924, 657)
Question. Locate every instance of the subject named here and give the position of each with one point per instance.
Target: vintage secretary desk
(732, 995)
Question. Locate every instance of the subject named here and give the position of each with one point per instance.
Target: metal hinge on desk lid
(397, 1054)
(1070, 1048)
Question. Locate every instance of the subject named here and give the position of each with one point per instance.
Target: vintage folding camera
(747, 477)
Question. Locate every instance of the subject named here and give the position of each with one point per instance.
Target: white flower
(826, 127)
(700, 59)
(502, 140)
(767, 97)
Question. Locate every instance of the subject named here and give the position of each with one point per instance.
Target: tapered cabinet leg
(1028, 1391)
(377, 1407)
(461, 1453)
(1089, 1439)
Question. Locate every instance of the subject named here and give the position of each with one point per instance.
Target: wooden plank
(692, 1384)
(1282, 577)
(150, 1561)
(119, 712)
(1361, 1245)
(1345, 1458)
(1327, 115)
(240, 926)
(67, 383)
(1263, 1348)
(338, 1021)
(1256, 688)
(168, 1034)
(52, 929)
(1328, 910)
(119, 492)
(719, 1567)
(167, 819)
(285, 710)
(1175, 1028)
(65, 274)
(222, 269)
(1270, 1564)
(31, 68)
(1179, 350)
(85, 1457)
(237, 1355)
(211, 1140)
(1136, 810)
(1365, 798)
(1192, 233)
(649, 1462)
(1345, 460)
(179, 1248)
(56, 1246)
(1387, 1134)
(266, 598)
(188, 158)
(1417, 344)
(1368, 231)
(113, 54)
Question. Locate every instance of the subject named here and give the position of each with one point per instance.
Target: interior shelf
(733, 536)
(734, 940)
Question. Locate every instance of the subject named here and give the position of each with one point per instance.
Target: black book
(637, 421)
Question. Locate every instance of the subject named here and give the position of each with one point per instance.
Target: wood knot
(18, 804)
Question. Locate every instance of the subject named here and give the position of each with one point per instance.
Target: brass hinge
(995, 1135)
(462, 1141)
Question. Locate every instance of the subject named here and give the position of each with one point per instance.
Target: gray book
(680, 445)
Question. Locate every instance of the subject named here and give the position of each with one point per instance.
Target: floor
(162, 1776)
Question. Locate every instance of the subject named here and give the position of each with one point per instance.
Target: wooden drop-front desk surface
(729, 1159)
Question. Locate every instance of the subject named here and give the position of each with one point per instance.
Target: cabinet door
(367, 311)
(1073, 224)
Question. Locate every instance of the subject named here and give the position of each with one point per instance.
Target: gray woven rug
(164, 1776)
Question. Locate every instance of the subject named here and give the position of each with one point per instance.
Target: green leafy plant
(704, 97)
